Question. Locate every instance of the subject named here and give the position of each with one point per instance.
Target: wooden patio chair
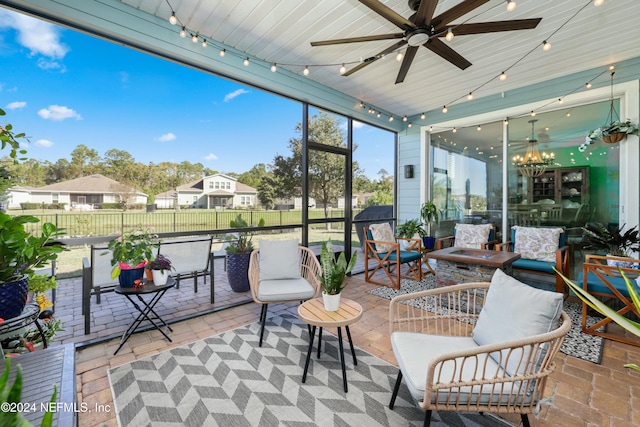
(485, 347)
(390, 255)
(600, 277)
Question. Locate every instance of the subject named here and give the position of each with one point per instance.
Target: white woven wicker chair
(446, 369)
(270, 282)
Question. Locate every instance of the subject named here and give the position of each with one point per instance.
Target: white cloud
(210, 157)
(235, 94)
(42, 38)
(16, 105)
(45, 64)
(58, 113)
(44, 143)
(167, 137)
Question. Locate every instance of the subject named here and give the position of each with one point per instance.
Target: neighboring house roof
(171, 194)
(96, 183)
(244, 188)
(198, 186)
(23, 188)
(192, 186)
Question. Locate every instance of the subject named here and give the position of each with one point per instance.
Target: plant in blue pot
(129, 254)
(21, 253)
(429, 215)
(239, 252)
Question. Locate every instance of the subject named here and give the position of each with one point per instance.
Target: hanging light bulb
(454, 130)
(409, 125)
(204, 43)
(172, 19)
(343, 69)
(390, 118)
(546, 45)
(194, 38)
(423, 116)
(430, 128)
(449, 35)
(505, 122)
(479, 128)
(305, 71)
(588, 85)
(511, 5)
(361, 105)
(503, 76)
(597, 3)
(274, 68)
(183, 32)
(533, 113)
(445, 109)
(405, 118)
(246, 62)
(470, 96)
(560, 100)
(399, 56)
(378, 115)
(222, 52)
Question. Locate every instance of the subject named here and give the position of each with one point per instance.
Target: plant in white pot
(160, 268)
(333, 274)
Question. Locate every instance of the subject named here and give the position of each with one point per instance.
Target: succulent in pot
(333, 275)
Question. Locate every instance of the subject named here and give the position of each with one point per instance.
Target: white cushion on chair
(382, 233)
(537, 243)
(513, 310)
(472, 235)
(285, 289)
(279, 259)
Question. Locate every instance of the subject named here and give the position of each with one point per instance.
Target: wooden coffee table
(312, 312)
(458, 265)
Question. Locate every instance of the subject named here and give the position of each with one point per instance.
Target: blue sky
(64, 88)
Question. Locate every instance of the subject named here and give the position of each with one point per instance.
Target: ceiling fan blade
(389, 14)
(374, 58)
(406, 63)
(359, 39)
(440, 48)
(425, 12)
(456, 12)
(495, 26)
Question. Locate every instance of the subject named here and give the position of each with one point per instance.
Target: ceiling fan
(422, 28)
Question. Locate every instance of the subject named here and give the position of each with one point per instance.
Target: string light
(222, 52)
(306, 71)
(361, 105)
(597, 3)
(423, 116)
(390, 118)
(503, 76)
(172, 19)
(470, 96)
(183, 32)
(505, 122)
(445, 109)
(560, 100)
(378, 115)
(546, 45)
(409, 125)
(246, 62)
(430, 128)
(479, 128)
(511, 5)
(204, 43)
(588, 85)
(343, 69)
(194, 38)
(533, 113)
(274, 68)
(405, 118)
(454, 130)
(449, 35)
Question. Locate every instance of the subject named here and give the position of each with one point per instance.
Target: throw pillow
(472, 235)
(382, 233)
(537, 243)
(513, 310)
(279, 259)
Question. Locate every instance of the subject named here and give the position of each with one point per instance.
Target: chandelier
(532, 163)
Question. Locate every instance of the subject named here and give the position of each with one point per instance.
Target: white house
(17, 195)
(217, 191)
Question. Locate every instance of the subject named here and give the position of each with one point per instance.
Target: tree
(84, 160)
(326, 170)
(253, 177)
(267, 191)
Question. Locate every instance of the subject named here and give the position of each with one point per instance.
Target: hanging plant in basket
(615, 131)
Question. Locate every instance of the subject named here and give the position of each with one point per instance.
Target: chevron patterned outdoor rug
(227, 380)
(576, 344)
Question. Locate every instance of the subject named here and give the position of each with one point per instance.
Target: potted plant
(615, 131)
(38, 285)
(238, 254)
(21, 253)
(613, 240)
(429, 214)
(129, 253)
(333, 274)
(160, 268)
(410, 228)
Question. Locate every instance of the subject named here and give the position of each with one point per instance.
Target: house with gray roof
(217, 191)
(84, 193)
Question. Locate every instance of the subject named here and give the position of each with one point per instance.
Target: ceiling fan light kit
(424, 29)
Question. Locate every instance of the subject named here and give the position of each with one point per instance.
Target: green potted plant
(615, 131)
(429, 215)
(129, 254)
(333, 274)
(160, 268)
(612, 240)
(410, 228)
(238, 254)
(21, 253)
